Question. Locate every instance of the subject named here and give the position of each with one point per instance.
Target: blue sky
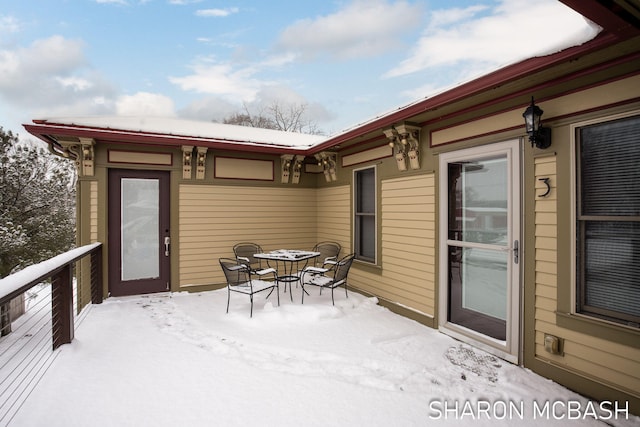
(346, 60)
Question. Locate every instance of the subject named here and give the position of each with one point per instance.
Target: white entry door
(479, 247)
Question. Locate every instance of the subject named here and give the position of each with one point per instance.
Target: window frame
(578, 224)
(358, 215)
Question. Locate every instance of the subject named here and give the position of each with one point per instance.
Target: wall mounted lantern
(405, 141)
(538, 135)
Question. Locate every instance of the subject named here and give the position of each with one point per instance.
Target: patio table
(289, 258)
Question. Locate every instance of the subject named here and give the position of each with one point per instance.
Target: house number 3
(546, 182)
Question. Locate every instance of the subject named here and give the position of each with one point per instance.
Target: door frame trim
(510, 349)
(113, 225)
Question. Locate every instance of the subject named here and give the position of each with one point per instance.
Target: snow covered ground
(179, 360)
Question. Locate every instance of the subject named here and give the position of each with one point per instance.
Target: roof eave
(609, 16)
(43, 130)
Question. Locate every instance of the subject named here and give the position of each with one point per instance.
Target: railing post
(5, 319)
(62, 306)
(96, 276)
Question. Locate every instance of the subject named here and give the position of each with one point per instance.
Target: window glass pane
(140, 228)
(484, 282)
(612, 266)
(365, 215)
(366, 191)
(608, 220)
(367, 234)
(610, 171)
(478, 201)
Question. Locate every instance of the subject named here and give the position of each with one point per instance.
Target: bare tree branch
(278, 116)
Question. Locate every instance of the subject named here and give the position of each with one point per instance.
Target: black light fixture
(538, 135)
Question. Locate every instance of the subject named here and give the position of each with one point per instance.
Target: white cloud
(440, 18)
(183, 2)
(513, 31)
(122, 2)
(23, 70)
(77, 84)
(9, 24)
(220, 79)
(217, 12)
(209, 108)
(51, 76)
(363, 28)
(145, 104)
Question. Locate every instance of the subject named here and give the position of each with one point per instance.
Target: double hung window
(365, 214)
(608, 220)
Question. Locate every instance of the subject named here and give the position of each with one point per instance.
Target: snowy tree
(278, 116)
(37, 195)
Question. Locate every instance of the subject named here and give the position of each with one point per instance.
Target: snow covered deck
(178, 359)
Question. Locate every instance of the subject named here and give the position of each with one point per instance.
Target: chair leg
(251, 298)
(228, 298)
(345, 291)
(332, 300)
(278, 294)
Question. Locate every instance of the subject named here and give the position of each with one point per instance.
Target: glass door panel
(478, 237)
(140, 251)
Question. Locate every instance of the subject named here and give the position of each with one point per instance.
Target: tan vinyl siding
(93, 211)
(214, 218)
(90, 223)
(334, 216)
(593, 357)
(408, 240)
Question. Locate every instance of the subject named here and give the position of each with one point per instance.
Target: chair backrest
(235, 273)
(247, 250)
(327, 250)
(341, 269)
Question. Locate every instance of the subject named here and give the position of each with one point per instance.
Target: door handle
(516, 251)
(167, 243)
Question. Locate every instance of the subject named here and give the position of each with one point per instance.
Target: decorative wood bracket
(404, 139)
(86, 157)
(285, 161)
(328, 162)
(187, 157)
(201, 164)
(297, 169)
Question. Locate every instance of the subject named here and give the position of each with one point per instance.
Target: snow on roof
(191, 128)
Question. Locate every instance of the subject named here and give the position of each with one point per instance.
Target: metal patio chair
(244, 254)
(239, 279)
(328, 277)
(329, 252)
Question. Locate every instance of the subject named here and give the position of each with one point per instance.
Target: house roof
(173, 131)
(619, 19)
